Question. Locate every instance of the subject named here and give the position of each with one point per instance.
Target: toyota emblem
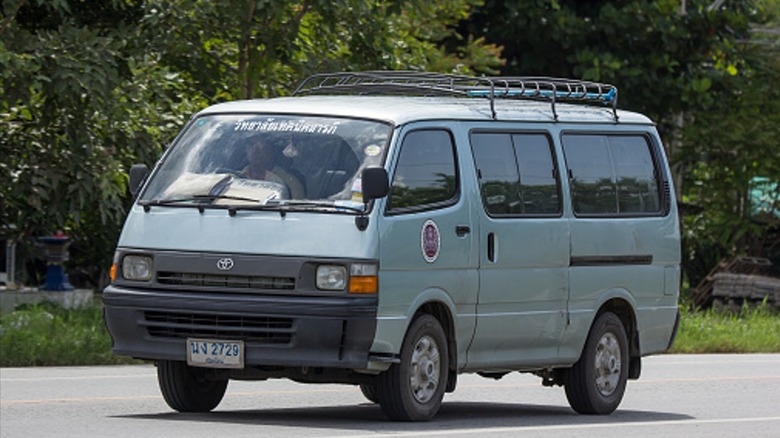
(225, 264)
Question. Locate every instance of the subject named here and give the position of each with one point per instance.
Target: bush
(48, 335)
(752, 330)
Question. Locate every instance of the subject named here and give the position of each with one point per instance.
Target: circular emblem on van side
(430, 241)
(225, 264)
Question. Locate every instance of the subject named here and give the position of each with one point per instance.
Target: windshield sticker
(300, 126)
(357, 190)
(430, 241)
(373, 150)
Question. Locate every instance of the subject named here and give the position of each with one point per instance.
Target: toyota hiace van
(393, 230)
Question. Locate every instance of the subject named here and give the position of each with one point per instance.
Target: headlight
(331, 277)
(137, 267)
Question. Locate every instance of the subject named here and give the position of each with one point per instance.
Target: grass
(752, 330)
(47, 335)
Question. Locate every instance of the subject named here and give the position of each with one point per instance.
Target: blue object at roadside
(56, 249)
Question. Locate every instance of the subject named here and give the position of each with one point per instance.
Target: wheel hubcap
(607, 364)
(425, 369)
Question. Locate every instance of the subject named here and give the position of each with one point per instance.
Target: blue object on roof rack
(606, 97)
(438, 84)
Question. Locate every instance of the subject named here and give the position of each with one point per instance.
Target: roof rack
(438, 84)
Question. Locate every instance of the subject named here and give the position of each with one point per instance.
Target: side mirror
(138, 174)
(375, 183)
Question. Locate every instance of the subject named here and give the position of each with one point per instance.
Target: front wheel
(596, 382)
(412, 390)
(188, 389)
(369, 392)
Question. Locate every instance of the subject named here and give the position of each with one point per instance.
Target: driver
(266, 162)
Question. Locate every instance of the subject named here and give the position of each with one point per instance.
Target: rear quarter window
(612, 175)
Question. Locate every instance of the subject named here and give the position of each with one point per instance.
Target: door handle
(462, 230)
(491, 247)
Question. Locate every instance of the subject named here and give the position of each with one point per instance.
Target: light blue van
(393, 230)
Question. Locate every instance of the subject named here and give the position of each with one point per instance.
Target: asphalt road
(678, 395)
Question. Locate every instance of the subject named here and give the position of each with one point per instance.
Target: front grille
(259, 329)
(226, 281)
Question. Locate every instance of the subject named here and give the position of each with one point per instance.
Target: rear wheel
(412, 390)
(188, 389)
(597, 381)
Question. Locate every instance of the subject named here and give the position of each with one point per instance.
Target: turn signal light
(363, 284)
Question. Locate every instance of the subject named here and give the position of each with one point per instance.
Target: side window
(611, 174)
(593, 188)
(538, 182)
(425, 175)
(498, 175)
(516, 174)
(637, 186)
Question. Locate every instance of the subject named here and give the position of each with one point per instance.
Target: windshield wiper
(312, 205)
(290, 205)
(283, 206)
(188, 201)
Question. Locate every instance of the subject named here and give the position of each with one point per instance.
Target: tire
(369, 392)
(186, 389)
(412, 390)
(596, 382)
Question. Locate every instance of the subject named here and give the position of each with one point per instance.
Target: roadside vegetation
(752, 330)
(47, 335)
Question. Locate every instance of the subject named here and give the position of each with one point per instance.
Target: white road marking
(497, 430)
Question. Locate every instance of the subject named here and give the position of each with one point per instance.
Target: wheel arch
(443, 314)
(623, 309)
(394, 322)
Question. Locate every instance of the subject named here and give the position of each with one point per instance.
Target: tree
(664, 59)
(726, 149)
(88, 87)
(254, 48)
(689, 66)
(79, 103)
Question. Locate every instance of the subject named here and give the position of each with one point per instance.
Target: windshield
(267, 159)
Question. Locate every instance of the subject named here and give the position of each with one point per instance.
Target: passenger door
(524, 251)
(426, 237)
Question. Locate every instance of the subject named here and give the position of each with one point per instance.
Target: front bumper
(277, 330)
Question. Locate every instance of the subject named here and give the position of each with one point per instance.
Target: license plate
(214, 353)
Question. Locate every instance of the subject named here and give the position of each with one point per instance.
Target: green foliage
(89, 87)
(243, 49)
(702, 70)
(79, 105)
(48, 335)
(663, 59)
(752, 331)
(725, 147)
(55, 85)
